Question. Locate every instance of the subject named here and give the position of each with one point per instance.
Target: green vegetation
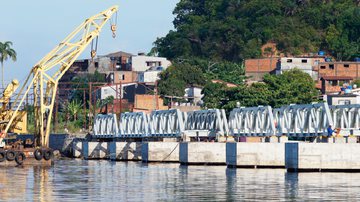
(234, 30)
(6, 52)
(197, 72)
(291, 87)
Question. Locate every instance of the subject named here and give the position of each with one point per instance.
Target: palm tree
(73, 108)
(6, 52)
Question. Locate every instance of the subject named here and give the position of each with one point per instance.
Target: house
(333, 84)
(151, 75)
(118, 61)
(122, 77)
(123, 91)
(306, 64)
(339, 69)
(343, 99)
(255, 69)
(141, 62)
(194, 95)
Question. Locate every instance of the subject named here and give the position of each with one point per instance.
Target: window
(331, 66)
(304, 61)
(344, 102)
(322, 67)
(123, 77)
(289, 60)
(96, 64)
(346, 65)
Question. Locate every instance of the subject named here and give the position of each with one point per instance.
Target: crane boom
(45, 75)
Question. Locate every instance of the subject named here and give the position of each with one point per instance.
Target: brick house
(349, 69)
(257, 68)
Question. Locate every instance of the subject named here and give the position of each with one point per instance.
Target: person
(330, 131)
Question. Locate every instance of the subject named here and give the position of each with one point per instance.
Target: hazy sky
(36, 27)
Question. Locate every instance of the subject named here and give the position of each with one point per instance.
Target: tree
(177, 77)
(6, 52)
(233, 30)
(291, 87)
(73, 108)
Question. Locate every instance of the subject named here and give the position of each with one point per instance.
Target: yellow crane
(19, 122)
(45, 75)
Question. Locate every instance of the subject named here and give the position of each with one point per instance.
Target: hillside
(233, 30)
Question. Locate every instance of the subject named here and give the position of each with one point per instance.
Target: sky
(36, 27)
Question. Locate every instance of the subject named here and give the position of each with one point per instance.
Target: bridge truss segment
(105, 126)
(347, 118)
(308, 120)
(134, 124)
(166, 123)
(252, 121)
(206, 123)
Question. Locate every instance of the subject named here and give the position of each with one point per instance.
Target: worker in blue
(330, 131)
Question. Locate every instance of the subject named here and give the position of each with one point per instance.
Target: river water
(77, 180)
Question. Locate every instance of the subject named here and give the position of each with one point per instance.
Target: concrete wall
(160, 152)
(149, 102)
(261, 65)
(255, 154)
(125, 151)
(202, 153)
(303, 156)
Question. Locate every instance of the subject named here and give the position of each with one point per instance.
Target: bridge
(309, 120)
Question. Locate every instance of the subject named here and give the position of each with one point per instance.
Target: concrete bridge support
(318, 157)
(160, 152)
(200, 153)
(255, 155)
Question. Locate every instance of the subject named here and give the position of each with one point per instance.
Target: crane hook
(93, 54)
(113, 29)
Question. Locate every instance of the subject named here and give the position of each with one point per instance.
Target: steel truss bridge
(310, 120)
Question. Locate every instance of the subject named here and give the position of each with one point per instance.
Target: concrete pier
(294, 156)
(160, 151)
(76, 149)
(125, 151)
(269, 155)
(95, 150)
(318, 157)
(203, 153)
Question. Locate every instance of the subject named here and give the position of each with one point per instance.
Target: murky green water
(77, 180)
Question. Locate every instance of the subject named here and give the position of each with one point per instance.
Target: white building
(150, 76)
(303, 63)
(194, 93)
(141, 63)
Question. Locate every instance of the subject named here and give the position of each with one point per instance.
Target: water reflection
(76, 180)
